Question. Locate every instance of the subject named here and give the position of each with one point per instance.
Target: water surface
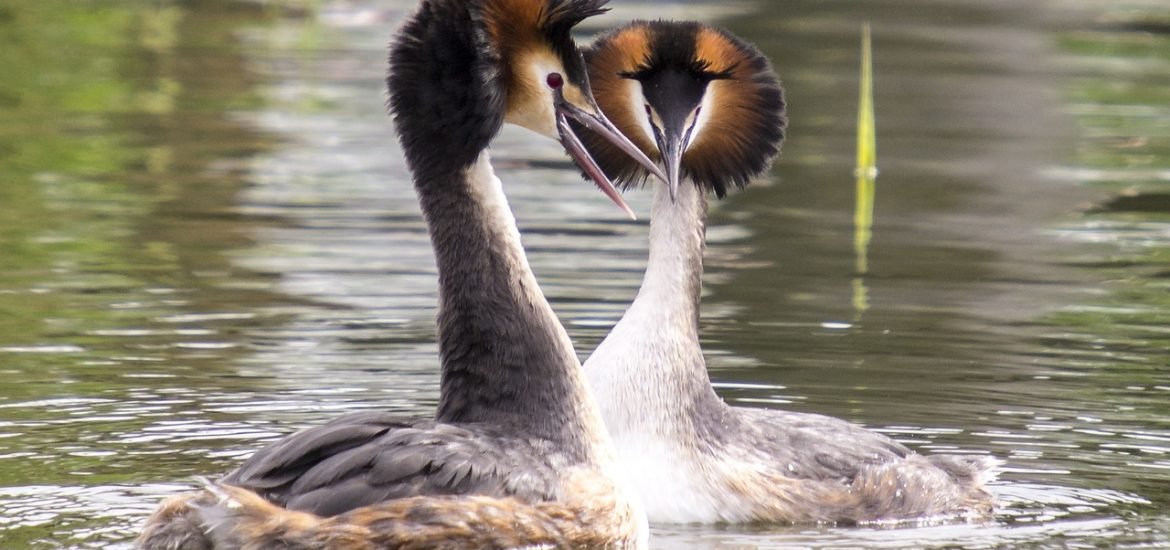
(209, 240)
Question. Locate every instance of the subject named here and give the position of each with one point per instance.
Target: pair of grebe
(518, 453)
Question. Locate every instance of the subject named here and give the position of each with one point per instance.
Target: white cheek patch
(537, 114)
(638, 107)
(706, 108)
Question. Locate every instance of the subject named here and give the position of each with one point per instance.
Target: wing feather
(365, 458)
(815, 447)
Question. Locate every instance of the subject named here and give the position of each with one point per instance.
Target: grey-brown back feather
(365, 458)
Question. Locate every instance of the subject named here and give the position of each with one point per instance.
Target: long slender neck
(649, 373)
(506, 359)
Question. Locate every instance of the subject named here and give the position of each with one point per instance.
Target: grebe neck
(649, 372)
(672, 285)
(506, 359)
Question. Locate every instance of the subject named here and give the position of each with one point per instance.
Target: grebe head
(462, 68)
(706, 103)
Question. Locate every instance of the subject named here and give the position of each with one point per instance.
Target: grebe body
(710, 107)
(517, 454)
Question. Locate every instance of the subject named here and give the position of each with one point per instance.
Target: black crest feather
(562, 15)
(558, 20)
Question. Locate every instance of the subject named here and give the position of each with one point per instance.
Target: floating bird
(517, 453)
(710, 107)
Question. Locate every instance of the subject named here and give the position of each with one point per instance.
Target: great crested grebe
(710, 106)
(517, 453)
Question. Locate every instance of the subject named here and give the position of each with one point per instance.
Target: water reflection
(209, 240)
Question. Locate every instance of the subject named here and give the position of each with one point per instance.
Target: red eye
(555, 81)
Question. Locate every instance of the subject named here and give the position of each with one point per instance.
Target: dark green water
(207, 240)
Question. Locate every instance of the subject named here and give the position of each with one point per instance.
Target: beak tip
(658, 173)
(626, 208)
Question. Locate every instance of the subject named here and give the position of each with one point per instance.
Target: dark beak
(604, 128)
(670, 146)
(672, 139)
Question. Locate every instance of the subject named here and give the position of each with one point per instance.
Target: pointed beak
(670, 147)
(672, 134)
(577, 150)
(604, 128)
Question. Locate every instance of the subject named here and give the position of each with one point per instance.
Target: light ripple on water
(333, 229)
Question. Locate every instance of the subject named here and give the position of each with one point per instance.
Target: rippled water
(208, 240)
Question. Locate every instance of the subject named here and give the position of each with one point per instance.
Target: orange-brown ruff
(692, 457)
(732, 147)
(517, 454)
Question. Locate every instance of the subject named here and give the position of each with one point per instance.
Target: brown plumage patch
(175, 525)
(745, 133)
(718, 54)
(909, 491)
(432, 522)
(523, 32)
(514, 30)
(597, 515)
(621, 53)
(514, 25)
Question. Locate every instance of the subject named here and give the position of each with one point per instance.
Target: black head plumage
(444, 83)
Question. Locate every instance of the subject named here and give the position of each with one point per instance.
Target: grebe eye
(555, 81)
